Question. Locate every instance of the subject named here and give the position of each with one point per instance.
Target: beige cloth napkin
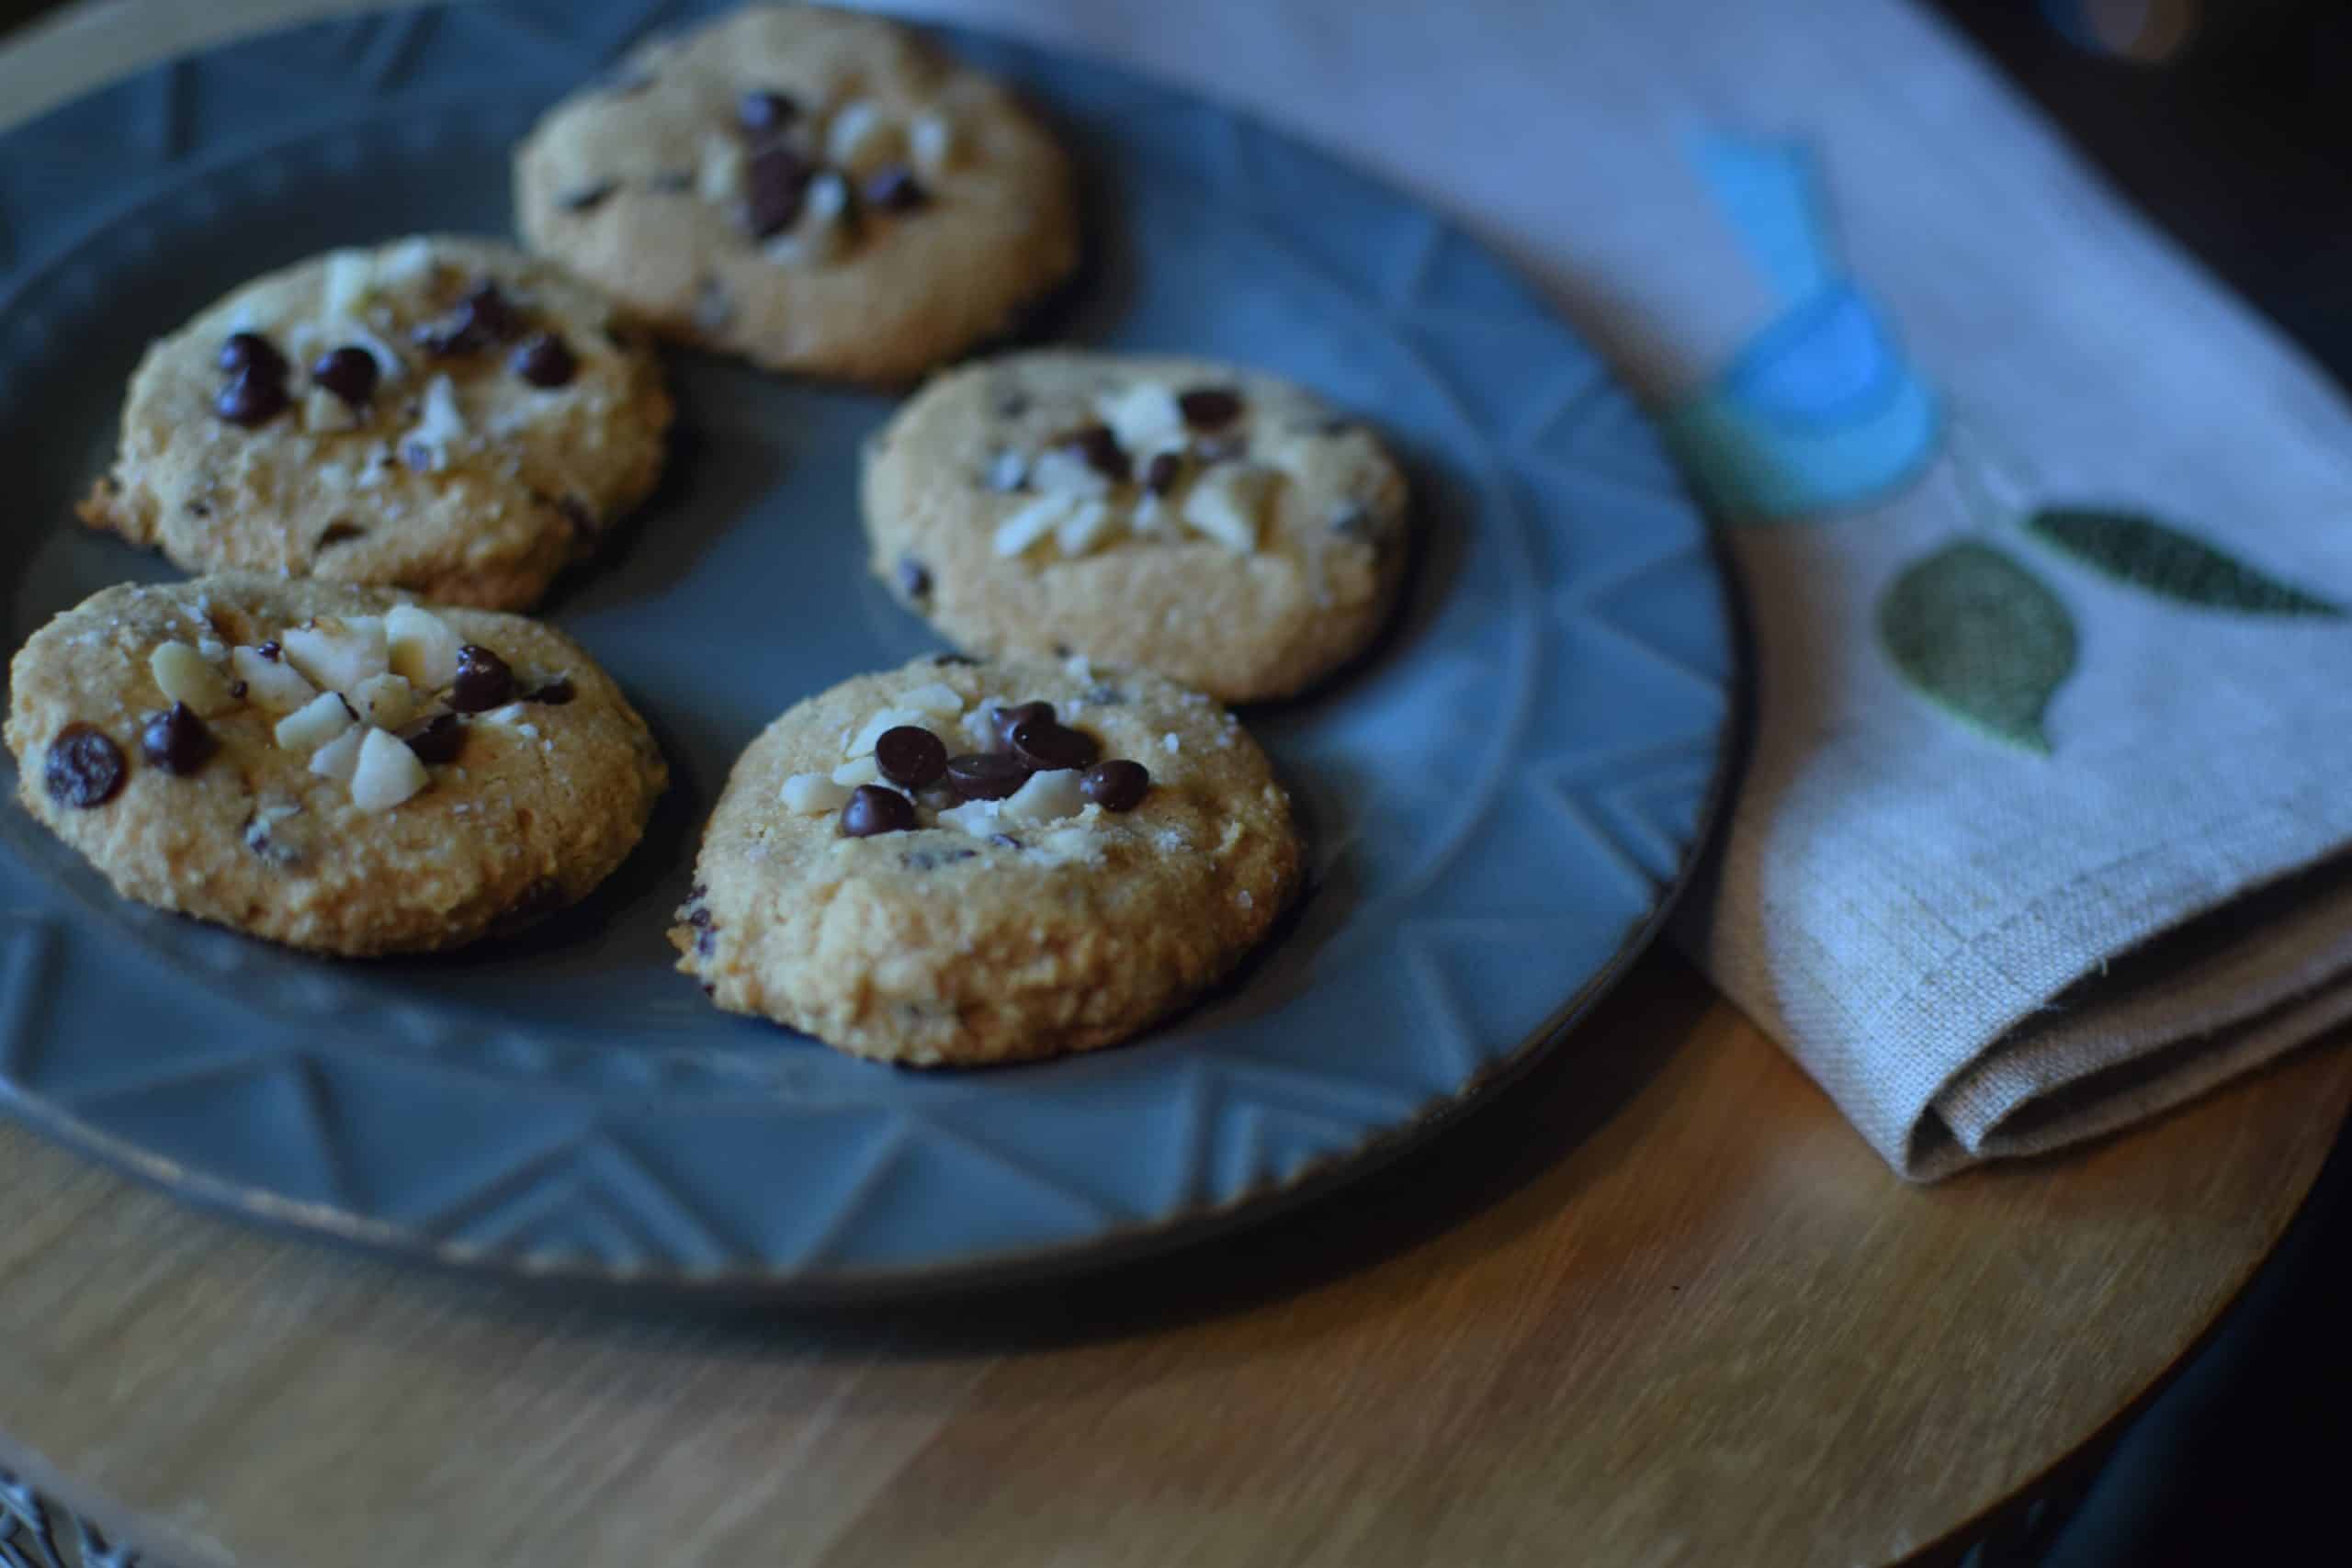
(1976, 947)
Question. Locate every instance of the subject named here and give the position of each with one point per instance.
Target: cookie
(1218, 526)
(812, 189)
(333, 767)
(962, 863)
(441, 414)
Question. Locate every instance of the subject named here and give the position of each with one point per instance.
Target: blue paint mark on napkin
(1819, 411)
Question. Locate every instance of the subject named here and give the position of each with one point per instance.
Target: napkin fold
(2044, 535)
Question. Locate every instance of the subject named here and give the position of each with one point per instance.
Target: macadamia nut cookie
(957, 862)
(440, 415)
(333, 767)
(813, 189)
(1220, 526)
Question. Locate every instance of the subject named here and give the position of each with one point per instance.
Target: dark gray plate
(1501, 799)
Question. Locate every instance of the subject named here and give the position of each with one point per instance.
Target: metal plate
(1501, 800)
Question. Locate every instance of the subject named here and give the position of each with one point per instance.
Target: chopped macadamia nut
(388, 772)
(186, 676)
(314, 724)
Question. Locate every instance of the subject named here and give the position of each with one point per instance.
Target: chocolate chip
(873, 809)
(176, 739)
(910, 756)
(84, 768)
(198, 509)
(700, 918)
(913, 578)
(339, 531)
(269, 650)
(543, 361)
(945, 660)
(576, 513)
(1208, 408)
(986, 776)
(483, 681)
(1116, 785)
(587, 198)
(250, 398)
(238, 689)
(555, 693)
(705, 941)
(1003, 719)
(765, 113)
(776, 183)
(484, 317)
(1043, 745)
(350, 373)
(895, 189)
(1102, 451)
(1160, 476)
(438, 739)
(1004, 840)
(250, 350)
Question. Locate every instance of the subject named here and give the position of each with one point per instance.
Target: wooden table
(1656, 1304)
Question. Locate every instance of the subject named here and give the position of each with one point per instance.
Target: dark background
(2230, 123)
(2237, 140)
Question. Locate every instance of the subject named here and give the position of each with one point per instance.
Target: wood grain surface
(1655, 1304)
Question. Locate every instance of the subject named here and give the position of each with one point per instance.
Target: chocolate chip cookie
(958, 863)
(812, 189)
(1218, 526)
(333, 767)
(440, 415)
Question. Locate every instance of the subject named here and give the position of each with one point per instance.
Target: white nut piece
(1084, 528)
(386, 700)
(422, 646)
(186, 676)
(1058, 470)
(719, 177)
(271, 683)
(976, 817)
(387, 773)
(314, 724)
(863, 137)
(1046, 797)
(434, 442)
(862, 743)
(932, 138)
(339, 757)
(1227, 504)
(411, 261)
(323, 412)
(809, 794)
(350, 280)
(860, 771)
(1032, 522)
(1143, 415)
(937, 698)
(338, 652)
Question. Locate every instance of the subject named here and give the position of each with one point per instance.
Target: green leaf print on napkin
(1980, 635)
(2164, 561)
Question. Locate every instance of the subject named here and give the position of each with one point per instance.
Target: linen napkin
(2044, 535)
